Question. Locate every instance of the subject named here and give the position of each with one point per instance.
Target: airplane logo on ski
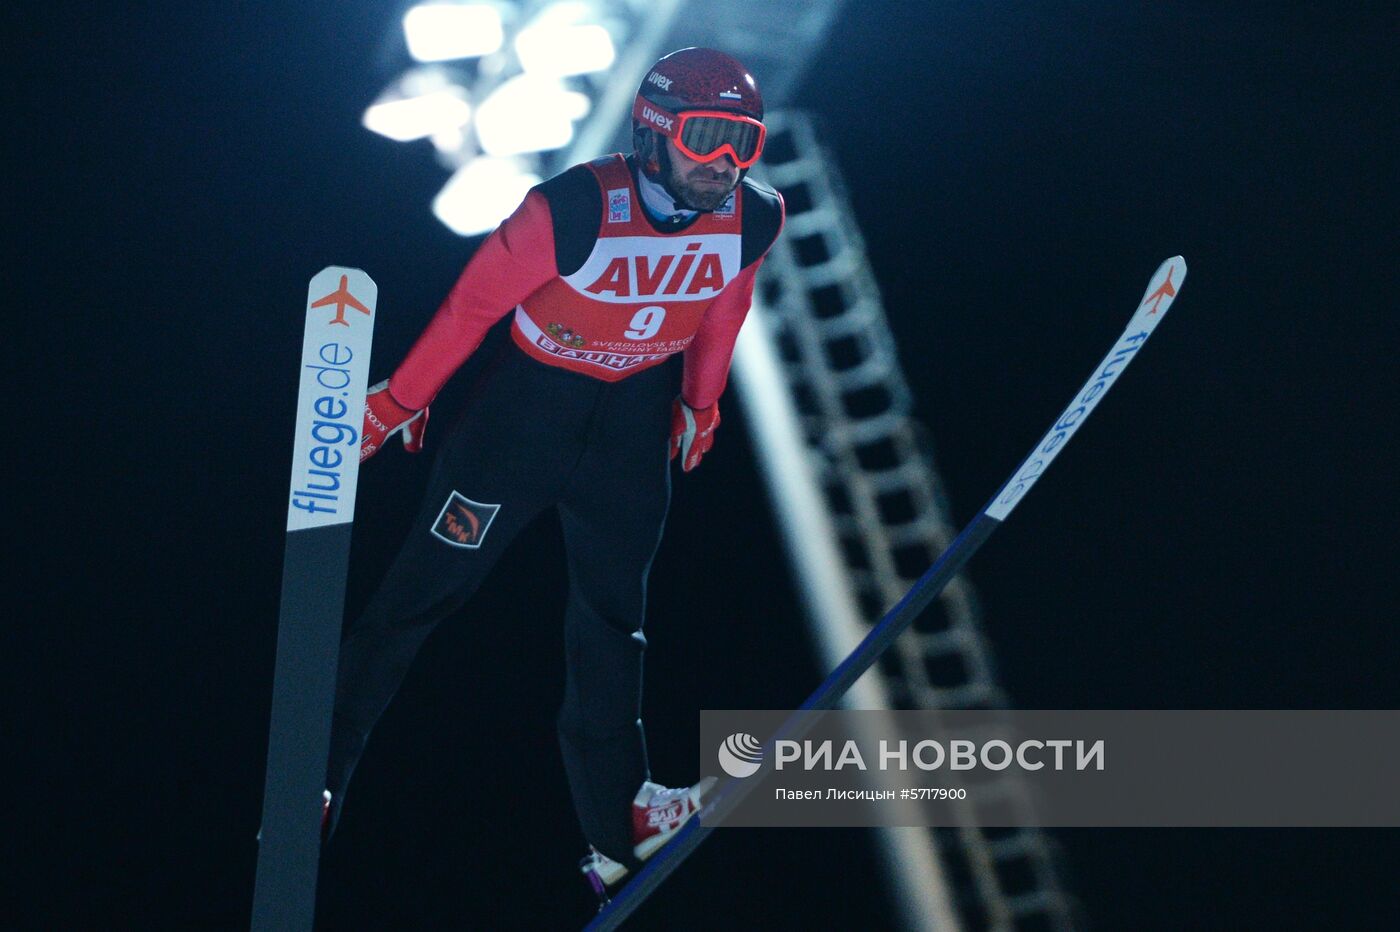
(341, 298)
(1168, 290)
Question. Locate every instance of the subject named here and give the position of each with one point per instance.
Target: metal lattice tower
(822, 309)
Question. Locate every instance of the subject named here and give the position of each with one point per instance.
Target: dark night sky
(1221, 535)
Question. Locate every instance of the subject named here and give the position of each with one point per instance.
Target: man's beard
(698, 196)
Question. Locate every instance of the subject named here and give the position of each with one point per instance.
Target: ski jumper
(573, 413)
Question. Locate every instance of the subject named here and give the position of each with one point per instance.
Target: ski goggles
(705, 135)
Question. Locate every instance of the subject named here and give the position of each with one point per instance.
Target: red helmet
(701, 79)
(706, 102)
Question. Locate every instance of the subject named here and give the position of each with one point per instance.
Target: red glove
(692, 432)
(385, 417)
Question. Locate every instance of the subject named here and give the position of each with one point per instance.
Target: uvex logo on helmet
(701, 79)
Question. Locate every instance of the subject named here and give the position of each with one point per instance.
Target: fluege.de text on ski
(333, 431)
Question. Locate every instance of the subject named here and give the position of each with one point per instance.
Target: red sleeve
(708, 355)
(515, 261)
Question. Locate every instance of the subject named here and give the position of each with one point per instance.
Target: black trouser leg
(534, 436)
(506, 452)
(613, 512)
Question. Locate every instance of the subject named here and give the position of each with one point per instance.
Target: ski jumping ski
(320, 511)
(1161, 289)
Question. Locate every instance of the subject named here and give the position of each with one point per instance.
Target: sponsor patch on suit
(619, 205)
(463, 522)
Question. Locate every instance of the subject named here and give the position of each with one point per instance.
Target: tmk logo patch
(619, 206)
(463, 522)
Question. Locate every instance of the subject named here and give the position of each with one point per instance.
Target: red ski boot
(657, 814)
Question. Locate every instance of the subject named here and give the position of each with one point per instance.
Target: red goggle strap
(663, 121)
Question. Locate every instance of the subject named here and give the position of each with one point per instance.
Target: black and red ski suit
(575, 413)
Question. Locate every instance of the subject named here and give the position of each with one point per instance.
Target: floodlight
(442, 31)
(404, 118)
(565, 49)
(482, 193)
(528, 114)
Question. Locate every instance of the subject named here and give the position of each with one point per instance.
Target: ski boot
(657, 814)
